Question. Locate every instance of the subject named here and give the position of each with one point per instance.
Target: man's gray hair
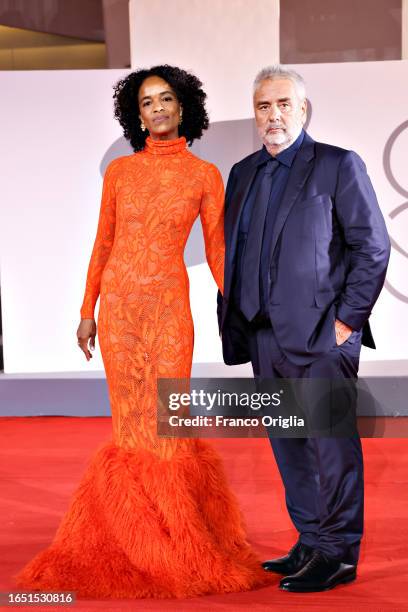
(277, 71)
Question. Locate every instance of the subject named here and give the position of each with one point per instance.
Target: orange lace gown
(152, 517)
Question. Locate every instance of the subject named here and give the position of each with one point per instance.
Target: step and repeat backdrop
(57, 136)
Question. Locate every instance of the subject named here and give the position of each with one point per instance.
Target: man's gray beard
(273, 139)
(285, 143)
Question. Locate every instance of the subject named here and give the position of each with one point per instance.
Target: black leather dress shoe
(291, 563)
(319, 574)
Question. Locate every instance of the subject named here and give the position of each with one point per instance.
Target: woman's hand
(86, 334)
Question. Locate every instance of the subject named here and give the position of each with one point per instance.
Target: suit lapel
(233, 214)
(299, 173)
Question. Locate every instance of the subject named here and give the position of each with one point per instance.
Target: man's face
(279, 113)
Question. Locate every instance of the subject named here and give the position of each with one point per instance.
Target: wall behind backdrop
(58, 135)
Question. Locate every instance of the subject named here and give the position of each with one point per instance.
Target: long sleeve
(212, 221)
(367, 240)
(103, 243)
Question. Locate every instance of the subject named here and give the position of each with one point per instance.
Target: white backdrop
(57, 134)
(223, 41)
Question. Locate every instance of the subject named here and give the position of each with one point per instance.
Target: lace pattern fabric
(150, 201)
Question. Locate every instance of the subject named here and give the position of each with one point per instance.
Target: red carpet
(42, 459)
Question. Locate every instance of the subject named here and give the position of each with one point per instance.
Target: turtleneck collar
(165, 147)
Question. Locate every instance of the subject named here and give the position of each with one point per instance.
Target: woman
(152, 517)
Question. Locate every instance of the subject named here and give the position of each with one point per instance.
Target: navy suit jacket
(328, 259)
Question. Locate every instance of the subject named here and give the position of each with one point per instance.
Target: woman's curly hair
(187, 88)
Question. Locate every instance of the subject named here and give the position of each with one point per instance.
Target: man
(306, 255)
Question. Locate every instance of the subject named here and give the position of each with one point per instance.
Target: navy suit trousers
(323, 477)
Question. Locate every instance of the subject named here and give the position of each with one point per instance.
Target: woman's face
(159, 108)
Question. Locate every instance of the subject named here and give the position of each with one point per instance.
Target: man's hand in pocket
(343, 331)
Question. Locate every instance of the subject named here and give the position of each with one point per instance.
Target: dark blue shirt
(279, 181)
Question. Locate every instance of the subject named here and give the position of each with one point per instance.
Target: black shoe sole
(303, 589)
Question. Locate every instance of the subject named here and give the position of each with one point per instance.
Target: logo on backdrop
(401, 208)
